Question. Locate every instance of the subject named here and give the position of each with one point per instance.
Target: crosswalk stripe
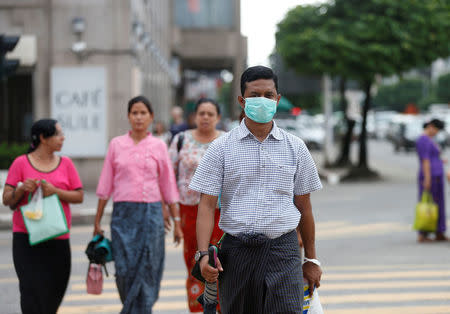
(81, 309)
(330, 224)
(382, 267)
(383, 285)
(361, 230)
(170, 247)
(422, 309)
(112, 285)
(388, 275)
(385, 297)
(8, 280)
(115, 295)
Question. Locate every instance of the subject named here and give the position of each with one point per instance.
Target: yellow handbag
(427, 214)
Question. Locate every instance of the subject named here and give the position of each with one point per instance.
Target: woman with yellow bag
(431, 175)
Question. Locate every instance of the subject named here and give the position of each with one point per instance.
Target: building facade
(207, 39)
(81, 61)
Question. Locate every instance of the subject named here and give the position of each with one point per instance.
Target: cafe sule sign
(79, 104)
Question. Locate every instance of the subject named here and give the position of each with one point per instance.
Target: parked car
(404, 134)
(382, 122)
(405, 129)
(311, 131)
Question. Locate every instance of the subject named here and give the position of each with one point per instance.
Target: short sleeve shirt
(257, 180)
(64, 177)
(428, 149)
(185, 162)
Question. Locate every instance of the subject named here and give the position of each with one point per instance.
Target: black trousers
(43, 271)
(261, 275)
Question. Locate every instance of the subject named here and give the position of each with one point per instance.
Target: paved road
(371, 261)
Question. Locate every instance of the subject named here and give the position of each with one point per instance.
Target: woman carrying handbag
(431, 175)
(43, 269)
(138, 175)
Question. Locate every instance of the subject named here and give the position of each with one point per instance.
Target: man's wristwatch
(312, 260)
(199, 254)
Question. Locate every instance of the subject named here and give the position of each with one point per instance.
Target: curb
(333, 176)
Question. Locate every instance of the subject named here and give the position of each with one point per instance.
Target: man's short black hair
(256, 73)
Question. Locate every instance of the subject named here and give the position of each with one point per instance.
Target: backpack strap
(106, 270)
(180, 141)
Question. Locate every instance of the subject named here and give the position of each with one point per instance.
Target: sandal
(440, 237)
(422, 239)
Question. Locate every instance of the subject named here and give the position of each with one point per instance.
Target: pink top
(137, 172)
(64, 177)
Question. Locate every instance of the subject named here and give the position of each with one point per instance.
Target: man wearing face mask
(264, 176)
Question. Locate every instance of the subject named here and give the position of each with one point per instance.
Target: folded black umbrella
(209, 297)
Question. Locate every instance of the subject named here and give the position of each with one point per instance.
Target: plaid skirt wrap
(261, 275)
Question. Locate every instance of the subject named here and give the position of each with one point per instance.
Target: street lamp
(78, 26)
(80, 49)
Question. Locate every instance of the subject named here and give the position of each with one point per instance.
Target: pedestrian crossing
(386, 289)
(376, 287)
(408, 289)
(344, 229)
(172, 296)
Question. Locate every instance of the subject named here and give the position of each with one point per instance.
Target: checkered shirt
(257, 180)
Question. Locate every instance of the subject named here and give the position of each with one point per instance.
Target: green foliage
(9, 152)
(397, 96)
(358, 39)
(306, 101)
(443, 88)
(224, 97)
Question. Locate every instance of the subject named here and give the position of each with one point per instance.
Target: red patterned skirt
(188, 222)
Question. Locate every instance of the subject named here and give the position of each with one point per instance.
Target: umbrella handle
(212, 254)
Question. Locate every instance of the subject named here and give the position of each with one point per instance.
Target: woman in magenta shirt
(138, 174)
(43, 269)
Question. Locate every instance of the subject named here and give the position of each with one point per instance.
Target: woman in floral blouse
(186, 151)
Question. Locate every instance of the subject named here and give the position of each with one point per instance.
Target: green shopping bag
(427, 214)
(44, 217)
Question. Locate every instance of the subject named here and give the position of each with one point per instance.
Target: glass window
(204, 13)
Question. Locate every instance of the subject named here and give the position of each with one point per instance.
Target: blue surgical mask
(260, 109)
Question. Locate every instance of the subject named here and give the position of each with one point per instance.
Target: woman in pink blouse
(43, 269)
(186, 158)
(138, 174)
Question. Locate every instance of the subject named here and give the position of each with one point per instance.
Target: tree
(313, 50)
(443, 88)
(360, 39)
(224, 97)
(398, 95)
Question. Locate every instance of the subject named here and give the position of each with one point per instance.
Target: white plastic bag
(315, 307)
(35, 206)
(311, 305)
